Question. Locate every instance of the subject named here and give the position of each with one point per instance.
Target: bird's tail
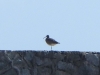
(58, 43)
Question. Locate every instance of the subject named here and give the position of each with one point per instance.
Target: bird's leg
(51, 47)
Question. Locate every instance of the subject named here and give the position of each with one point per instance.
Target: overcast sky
(73, 23)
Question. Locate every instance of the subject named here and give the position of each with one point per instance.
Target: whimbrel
(51, 41)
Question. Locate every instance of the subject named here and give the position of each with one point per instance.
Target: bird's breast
(51, 44)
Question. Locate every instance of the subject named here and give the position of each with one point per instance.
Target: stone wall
(49, 63)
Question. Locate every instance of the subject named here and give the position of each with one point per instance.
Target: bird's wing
(54, 40)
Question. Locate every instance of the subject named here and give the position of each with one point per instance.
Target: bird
(51, 42)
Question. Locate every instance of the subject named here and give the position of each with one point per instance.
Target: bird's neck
(47, 37)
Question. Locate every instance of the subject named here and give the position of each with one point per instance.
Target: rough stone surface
(49, 63)
(68, 67)
(93, 57)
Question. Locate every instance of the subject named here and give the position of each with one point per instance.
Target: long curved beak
(44, 37)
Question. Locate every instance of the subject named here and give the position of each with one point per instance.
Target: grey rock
(74, 57)
(59, 56)
(82, 70)
(25, 72)
(62, 65)
(43, 71)
(92, 70)
(35, 71)
(29, 55)
(93, 59)
(10, 72)
(68, 67)
(38, 61)
(47, 62)
(87, 70)
(61, 73)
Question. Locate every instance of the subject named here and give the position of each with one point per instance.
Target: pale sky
(73, 23)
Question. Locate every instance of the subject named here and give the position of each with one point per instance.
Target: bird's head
(47, 36)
